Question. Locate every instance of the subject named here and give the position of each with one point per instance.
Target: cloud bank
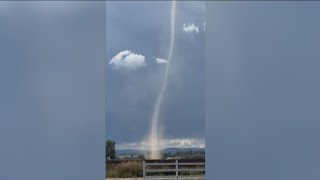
(190, 29)
(127, 60)
(165, 143)
(161, 61)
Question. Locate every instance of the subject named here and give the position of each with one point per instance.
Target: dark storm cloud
(131, 95)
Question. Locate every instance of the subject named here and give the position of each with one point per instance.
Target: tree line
(110, 149)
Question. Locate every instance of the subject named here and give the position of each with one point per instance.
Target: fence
(176, 164)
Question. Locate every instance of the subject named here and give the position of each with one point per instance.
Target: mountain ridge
(167, 150)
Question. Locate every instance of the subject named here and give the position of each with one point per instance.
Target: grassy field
(125, 169)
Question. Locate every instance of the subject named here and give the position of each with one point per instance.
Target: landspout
(154, 134)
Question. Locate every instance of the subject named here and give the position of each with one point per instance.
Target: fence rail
(176, 169)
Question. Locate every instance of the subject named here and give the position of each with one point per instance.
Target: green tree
(111, 149)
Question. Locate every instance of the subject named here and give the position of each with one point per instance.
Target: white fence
(176, 164)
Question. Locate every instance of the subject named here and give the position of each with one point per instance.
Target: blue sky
(141, 30)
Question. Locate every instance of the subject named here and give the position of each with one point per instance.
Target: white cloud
(190, 29)
(161, 61)
(167, 143)
(204, 26)
(127, 60)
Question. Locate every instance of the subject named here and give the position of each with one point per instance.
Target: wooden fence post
(144, 172)
(177, 170)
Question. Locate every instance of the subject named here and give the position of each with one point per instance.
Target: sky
(137, 42)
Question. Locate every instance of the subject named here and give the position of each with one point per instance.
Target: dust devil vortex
(154, 134)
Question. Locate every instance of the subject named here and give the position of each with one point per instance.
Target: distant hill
(174, 150)
(128, 152)
(168, 150)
